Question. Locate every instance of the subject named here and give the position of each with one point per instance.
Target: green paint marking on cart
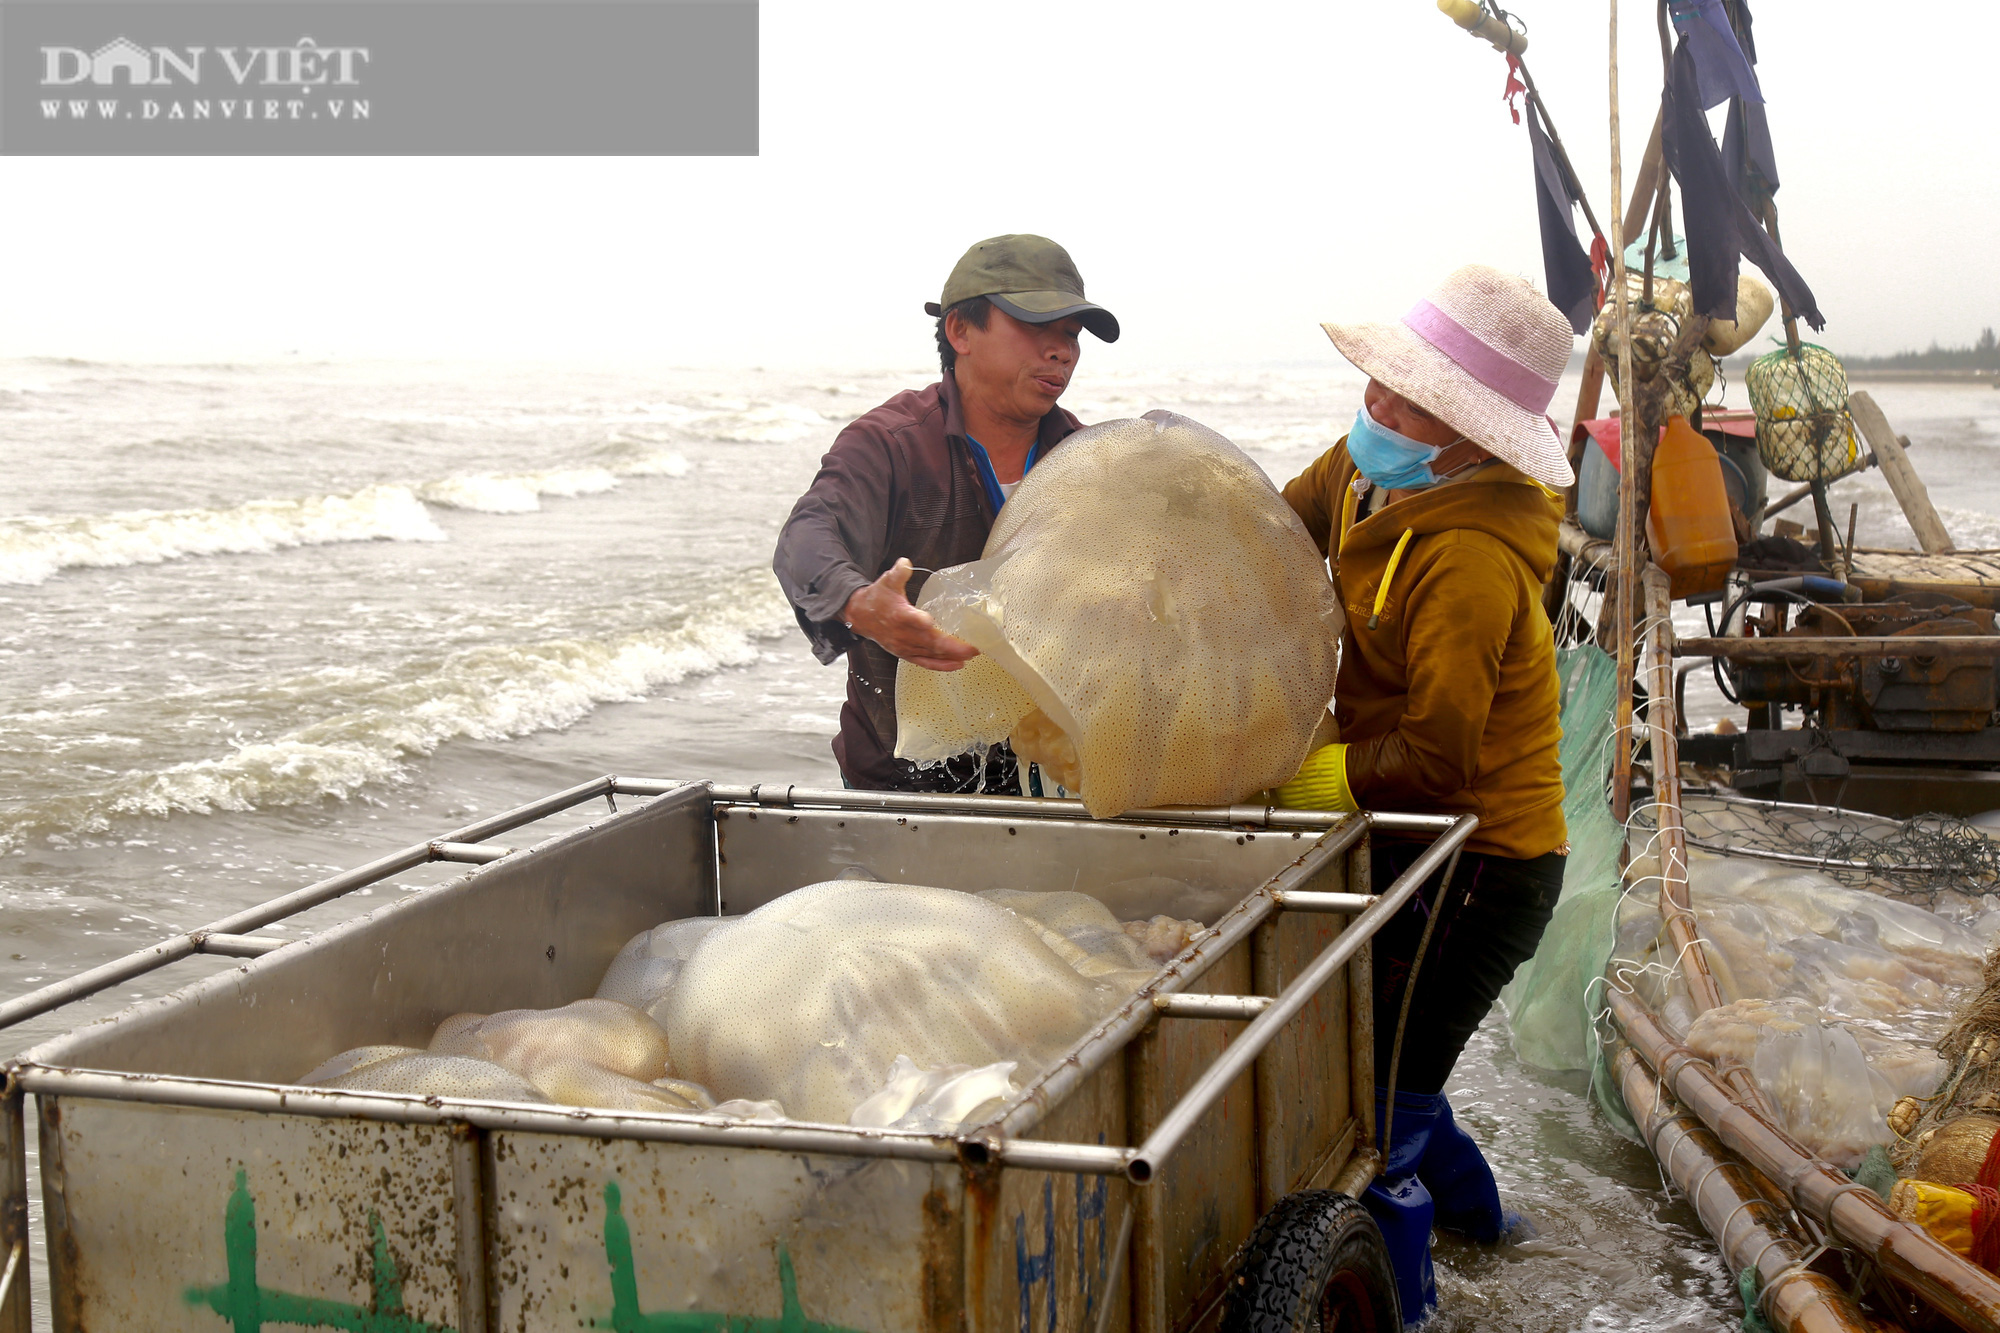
(250, 1307)
(627, 1317)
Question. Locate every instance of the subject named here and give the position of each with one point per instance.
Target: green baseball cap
(1029, 277)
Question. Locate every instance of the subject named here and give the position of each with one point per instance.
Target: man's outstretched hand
(882, 612)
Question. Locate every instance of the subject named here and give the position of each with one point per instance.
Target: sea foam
(34, 548)
(487, 693)
(521, 493)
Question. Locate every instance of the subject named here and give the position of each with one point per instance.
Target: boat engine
(1866, 711)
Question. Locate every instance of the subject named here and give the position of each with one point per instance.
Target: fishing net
(1804, 432)
(1155, 625)
(1553, 996)
(1939, 861)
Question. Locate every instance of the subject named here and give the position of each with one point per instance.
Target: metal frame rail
(1265, 1015)
(466, 845)
(227, 938)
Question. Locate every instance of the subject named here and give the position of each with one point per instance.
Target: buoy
(1468, 15)
(1753, 307)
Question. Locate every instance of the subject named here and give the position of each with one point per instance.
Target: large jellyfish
(1154, 623)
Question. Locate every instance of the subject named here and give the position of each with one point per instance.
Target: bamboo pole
(1676, 909)
(1676, 905)
(1735, 1206)
(1645, 184)
(1908, 487)
(1627, 536)
(1908, 1255)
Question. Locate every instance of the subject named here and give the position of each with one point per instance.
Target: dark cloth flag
(1746, 140)
(1722, 71)
(1746, 150)
(1720, 228)
(1572, 285)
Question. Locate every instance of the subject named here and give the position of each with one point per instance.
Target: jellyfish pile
(845, 1002)
(1833, 995)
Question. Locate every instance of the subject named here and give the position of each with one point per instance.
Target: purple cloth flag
(1720, 228)
(1572, 285)
(1723, 71)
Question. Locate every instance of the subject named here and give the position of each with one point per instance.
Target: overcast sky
(1225, 175)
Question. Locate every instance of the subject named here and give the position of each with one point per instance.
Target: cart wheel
(1316, 1263)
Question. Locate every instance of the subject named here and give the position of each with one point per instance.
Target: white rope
(1722, 1233)
(1804, 1264)
(1694, 1195)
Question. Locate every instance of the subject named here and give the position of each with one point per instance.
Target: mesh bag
(1155, 626)
(1804, 432)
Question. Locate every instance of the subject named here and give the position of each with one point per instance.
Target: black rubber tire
(1316, 1263)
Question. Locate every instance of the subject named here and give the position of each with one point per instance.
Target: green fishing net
(1553, 998)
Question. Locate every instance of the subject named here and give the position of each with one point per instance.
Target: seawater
(262, 622)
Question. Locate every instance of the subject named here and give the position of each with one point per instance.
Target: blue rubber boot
(1461, 1183)
(1402, 1206)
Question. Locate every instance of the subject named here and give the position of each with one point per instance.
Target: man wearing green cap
(914, 486)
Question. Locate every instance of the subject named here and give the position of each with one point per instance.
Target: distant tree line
(1982, 355)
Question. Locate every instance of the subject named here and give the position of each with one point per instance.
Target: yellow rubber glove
(1320, 783)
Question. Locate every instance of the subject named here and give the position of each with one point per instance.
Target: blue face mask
(1388, 458)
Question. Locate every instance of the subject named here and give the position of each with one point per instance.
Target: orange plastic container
(1688, 524)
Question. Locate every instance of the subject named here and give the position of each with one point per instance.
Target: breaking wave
(1970, 530)
(34, 548)
(520, 494)
(655, 463)
(487, 693)
(779, 423)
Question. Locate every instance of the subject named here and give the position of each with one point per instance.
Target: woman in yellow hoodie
(1438, 514)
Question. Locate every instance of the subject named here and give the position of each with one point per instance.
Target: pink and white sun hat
(1482, 353)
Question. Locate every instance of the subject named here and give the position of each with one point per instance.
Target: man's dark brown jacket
(899, 481)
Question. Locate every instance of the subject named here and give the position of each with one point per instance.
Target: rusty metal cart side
(185, 1185)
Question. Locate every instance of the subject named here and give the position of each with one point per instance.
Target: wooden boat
(1816, 1249)
(1896, 719)
(1826, 1251)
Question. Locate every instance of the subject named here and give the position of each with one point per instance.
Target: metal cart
(186, 1185)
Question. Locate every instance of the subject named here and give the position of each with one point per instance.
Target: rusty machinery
(1883, 685)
